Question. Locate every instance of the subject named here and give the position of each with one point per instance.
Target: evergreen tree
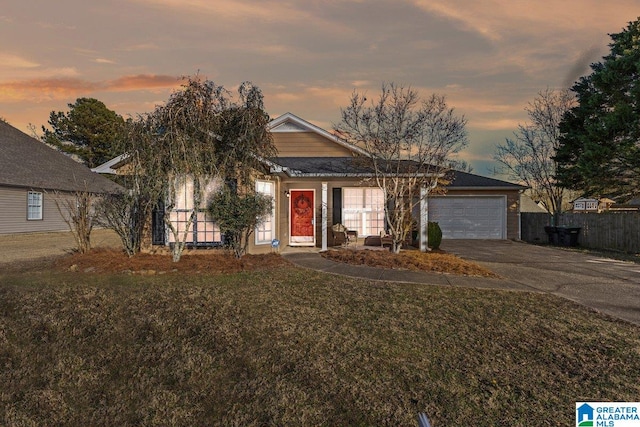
(599, 150)
(88, 130)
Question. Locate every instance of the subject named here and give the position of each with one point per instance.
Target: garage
(470, 217)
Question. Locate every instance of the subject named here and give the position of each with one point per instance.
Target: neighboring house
(585, 204)
(527, 204)
(319, 180)
(32, 177)
(632, 205)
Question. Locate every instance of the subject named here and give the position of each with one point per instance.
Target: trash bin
(552, 234)
(568, 236)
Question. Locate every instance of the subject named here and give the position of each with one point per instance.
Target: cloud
(46, 89)
(143, 82)
(581, 65)
(236, 10)
(104, 61)
(15, 61)
(41, 90)
(140, 47)
(500, 19)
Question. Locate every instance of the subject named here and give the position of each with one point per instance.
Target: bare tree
(124, 213)
(77, 212)
(410, 142)
(528, 157)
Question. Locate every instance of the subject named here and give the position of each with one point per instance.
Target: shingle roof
(323, 166)
(469, 180)
(27, 162)
(354, 167)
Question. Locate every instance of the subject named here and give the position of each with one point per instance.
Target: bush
(238, 215)
(434, 234)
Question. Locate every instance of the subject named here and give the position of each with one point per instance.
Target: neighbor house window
(363, 210)
(34, 206)
(265, 232)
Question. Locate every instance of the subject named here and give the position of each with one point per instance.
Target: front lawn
(287, 346)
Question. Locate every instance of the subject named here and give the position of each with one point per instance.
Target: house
(318, 180)
(586, 204)
(32, 177)
(527, 204)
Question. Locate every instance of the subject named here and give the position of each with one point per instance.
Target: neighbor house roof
(27, 162)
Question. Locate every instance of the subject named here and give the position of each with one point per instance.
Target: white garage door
(470, 217)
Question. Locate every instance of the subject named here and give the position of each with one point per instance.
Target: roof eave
(493, 188)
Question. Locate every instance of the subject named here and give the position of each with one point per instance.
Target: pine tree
(599, 150)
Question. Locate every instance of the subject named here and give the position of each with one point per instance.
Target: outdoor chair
(341, 235)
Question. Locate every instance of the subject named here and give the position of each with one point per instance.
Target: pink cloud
(40, 90)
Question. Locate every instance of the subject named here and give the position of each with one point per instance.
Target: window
(34, 206)
(265, 232)
(202, 231)
(363, 210)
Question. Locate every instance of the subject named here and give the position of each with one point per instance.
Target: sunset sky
(488, 57)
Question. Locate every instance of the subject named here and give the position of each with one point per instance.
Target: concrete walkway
(609, 286)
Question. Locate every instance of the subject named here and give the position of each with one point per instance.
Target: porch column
(424, 220)
(324, 216)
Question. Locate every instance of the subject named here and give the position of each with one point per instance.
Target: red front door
(302, 218)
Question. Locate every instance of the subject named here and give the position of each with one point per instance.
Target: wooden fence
(618, 231)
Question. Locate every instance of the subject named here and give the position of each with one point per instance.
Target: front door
(302, 218)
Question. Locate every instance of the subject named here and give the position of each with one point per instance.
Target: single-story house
(318, 180)
(32, 177)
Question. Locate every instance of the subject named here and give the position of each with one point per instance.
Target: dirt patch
(436, 262)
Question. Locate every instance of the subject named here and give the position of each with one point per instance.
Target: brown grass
(436, 262)
(289, 346)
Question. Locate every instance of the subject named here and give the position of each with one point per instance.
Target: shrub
(237, 216)
(434, 235)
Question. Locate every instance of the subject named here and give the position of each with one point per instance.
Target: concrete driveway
(609, 286)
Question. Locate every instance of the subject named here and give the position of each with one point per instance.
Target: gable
(295, 137)
(307, 144)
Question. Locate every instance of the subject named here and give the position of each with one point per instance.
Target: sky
(489, 58)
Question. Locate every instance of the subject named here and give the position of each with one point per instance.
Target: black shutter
(157, 224)
(337, 206)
